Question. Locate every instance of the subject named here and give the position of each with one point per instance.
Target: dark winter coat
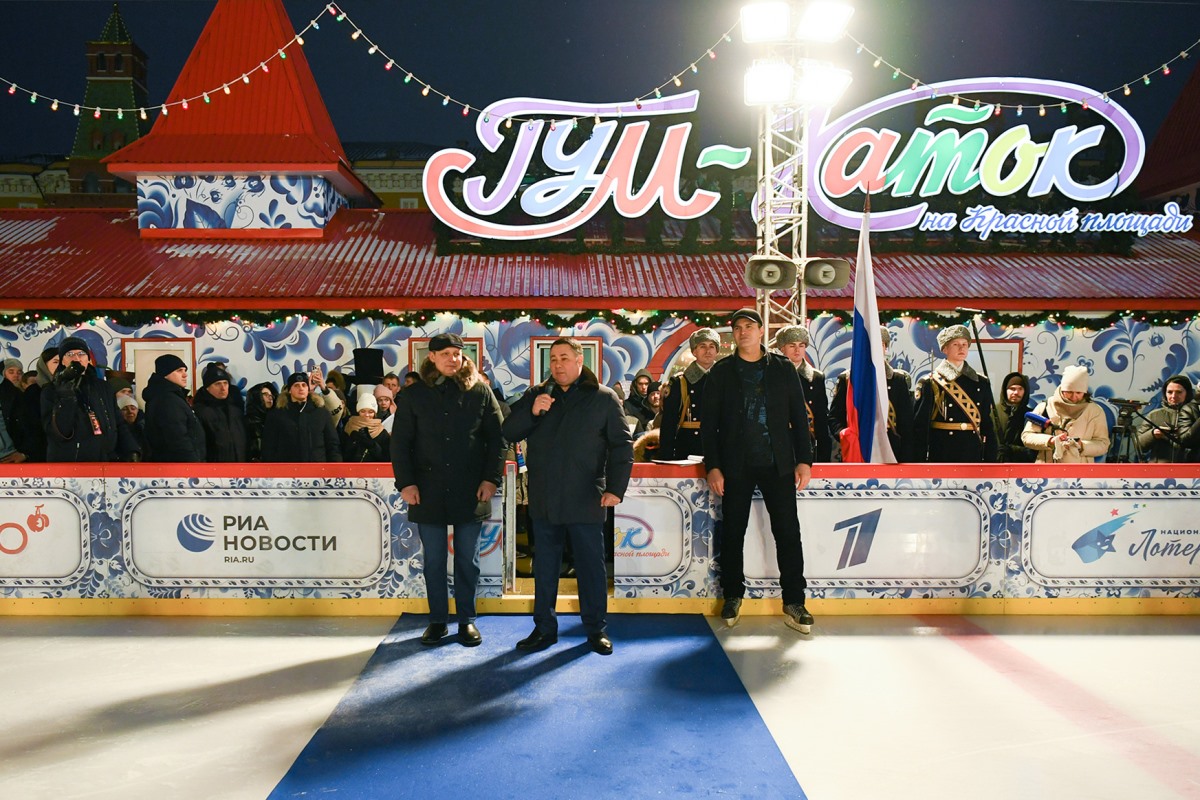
(680, 427)
(172, 429)
(35, 440)
(1182, 422)
(817, 400)
(900, 403)
(70, 435)
(21, 425)
(933, 407)
(724, 418)
(224, 427)
(1010, 420)
(445, 441)
(576, 451)
(359, 445)
(256, 418)
(301, 432)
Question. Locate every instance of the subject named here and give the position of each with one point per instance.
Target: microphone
(971, 310)
(543, 388)
(1045, 422)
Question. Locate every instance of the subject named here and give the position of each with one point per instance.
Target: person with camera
(1170, 433)
(1075, 430)
(79, 412)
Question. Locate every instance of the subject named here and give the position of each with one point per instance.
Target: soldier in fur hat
(953, 410)
(680, 430)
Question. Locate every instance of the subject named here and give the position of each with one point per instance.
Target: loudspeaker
(770, 272)
(826, 273)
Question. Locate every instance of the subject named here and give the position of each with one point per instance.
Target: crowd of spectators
(65, 409)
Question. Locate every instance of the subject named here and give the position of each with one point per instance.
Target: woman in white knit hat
(1078, 428)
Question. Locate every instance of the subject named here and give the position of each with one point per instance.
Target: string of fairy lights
(630, 322)
(465, 108)
(1125, 89)
(635, 322)
(390, 65)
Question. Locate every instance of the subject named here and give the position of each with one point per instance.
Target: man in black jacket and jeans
(755, 434)
(580, 458)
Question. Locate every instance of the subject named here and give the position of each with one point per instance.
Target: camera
(1125, 409)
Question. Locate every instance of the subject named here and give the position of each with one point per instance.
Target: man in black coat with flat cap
(448, 458)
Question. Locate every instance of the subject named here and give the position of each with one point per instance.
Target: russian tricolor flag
(865, 439)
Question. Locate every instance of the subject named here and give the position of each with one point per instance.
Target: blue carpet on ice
(664, 716)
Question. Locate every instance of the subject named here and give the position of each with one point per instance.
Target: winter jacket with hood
(173, 432)
(1010, 421)
(446, 441)
(256, 418)
(1182, 422)
(300, 431)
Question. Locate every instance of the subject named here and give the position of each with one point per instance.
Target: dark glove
(67, 379)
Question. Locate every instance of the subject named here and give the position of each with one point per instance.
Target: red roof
(1173, 159)
(95, 259)
(276, 123)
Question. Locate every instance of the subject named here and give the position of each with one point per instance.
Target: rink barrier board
(898, 539)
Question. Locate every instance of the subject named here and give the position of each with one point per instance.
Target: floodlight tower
(784, 84)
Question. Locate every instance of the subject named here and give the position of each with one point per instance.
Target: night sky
(589, 50)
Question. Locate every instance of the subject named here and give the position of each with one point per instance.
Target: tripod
(1123, 448)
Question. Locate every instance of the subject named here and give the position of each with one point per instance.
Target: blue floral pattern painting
(236, 202)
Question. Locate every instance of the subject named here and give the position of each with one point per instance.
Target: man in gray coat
(447, 456)
(580, 457)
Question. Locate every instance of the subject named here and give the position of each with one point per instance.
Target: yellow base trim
(523, 604)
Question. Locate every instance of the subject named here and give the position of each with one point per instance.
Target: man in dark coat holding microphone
(447, 456)
(580, 458)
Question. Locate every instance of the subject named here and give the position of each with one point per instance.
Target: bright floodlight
(818, 84)
(769, 83)
(766, 22)
(823, 21)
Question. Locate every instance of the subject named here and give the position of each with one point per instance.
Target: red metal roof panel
(387, 259)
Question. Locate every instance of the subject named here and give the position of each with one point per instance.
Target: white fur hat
(1074, 379)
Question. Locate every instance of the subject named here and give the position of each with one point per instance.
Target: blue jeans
(466, 569)
(587, 543)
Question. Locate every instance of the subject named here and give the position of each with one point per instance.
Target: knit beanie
(366, 400)
(72, 343)
(167, 363)
(213, 373)
(1074, 379)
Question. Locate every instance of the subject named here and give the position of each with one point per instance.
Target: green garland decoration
(624, 321)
